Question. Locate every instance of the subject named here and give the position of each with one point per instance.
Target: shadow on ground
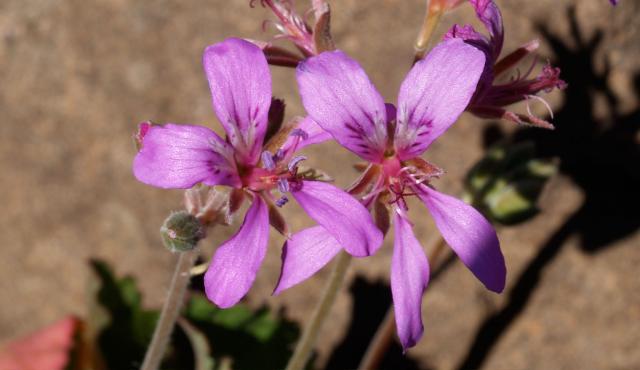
(371, 301)
(599, 156)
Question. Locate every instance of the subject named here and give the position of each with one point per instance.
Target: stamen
(419, 179)
(299, 132)
(403, 214)
(298, 135)
(408, 169)
(283, 185)
(267, 161)
(402, 210)
(544, 102)
(293, 165)
(373, 193)
(282, 201)
(278, 156)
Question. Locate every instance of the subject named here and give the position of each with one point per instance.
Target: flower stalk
(435, 10)
(310, 335)
(170, 310)
(431, 20)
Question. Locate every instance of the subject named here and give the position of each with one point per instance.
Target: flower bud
(181, 232)
(138, 137)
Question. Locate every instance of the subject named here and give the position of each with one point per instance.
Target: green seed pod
(181, 232)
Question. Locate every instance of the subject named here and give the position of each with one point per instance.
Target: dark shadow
(370, 303)
(599, 156)
(371, 300)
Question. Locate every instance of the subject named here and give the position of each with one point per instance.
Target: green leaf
(128, 328)
(249, 339)
(506, 184)
(238, 338)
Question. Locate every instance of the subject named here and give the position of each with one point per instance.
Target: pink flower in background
(338, 95)
(180, 156)
(613, 2)
(46, 349)
(492, 97)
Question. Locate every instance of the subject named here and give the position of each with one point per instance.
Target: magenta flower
(180, 156)
(338, 95)
(613, 2)
(492, 97)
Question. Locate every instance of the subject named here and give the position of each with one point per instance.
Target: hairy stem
(170, 311)
(305, 345)
(384, 335)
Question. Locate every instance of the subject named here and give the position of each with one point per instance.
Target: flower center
(277, 171)
(399, 179)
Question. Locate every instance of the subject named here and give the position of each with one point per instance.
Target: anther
(267, 160)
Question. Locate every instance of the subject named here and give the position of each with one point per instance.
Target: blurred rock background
(76, 78)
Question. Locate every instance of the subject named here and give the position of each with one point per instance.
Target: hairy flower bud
(181, 232)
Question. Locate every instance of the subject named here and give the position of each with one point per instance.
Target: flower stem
(431, 20)
(384, 335)
(305, 345)
(170, 310)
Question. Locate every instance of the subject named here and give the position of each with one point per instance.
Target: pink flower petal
(240, 84)
(489, 14)
(341, 215)
(338, 95)
(180, 156)
(304, 254)
(409, 279)
(470, 235)
(434, 94)
(236, 262)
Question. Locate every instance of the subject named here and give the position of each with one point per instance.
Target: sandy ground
(77, 76)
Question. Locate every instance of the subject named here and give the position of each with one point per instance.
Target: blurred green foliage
(505, 185)
(207, 338)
